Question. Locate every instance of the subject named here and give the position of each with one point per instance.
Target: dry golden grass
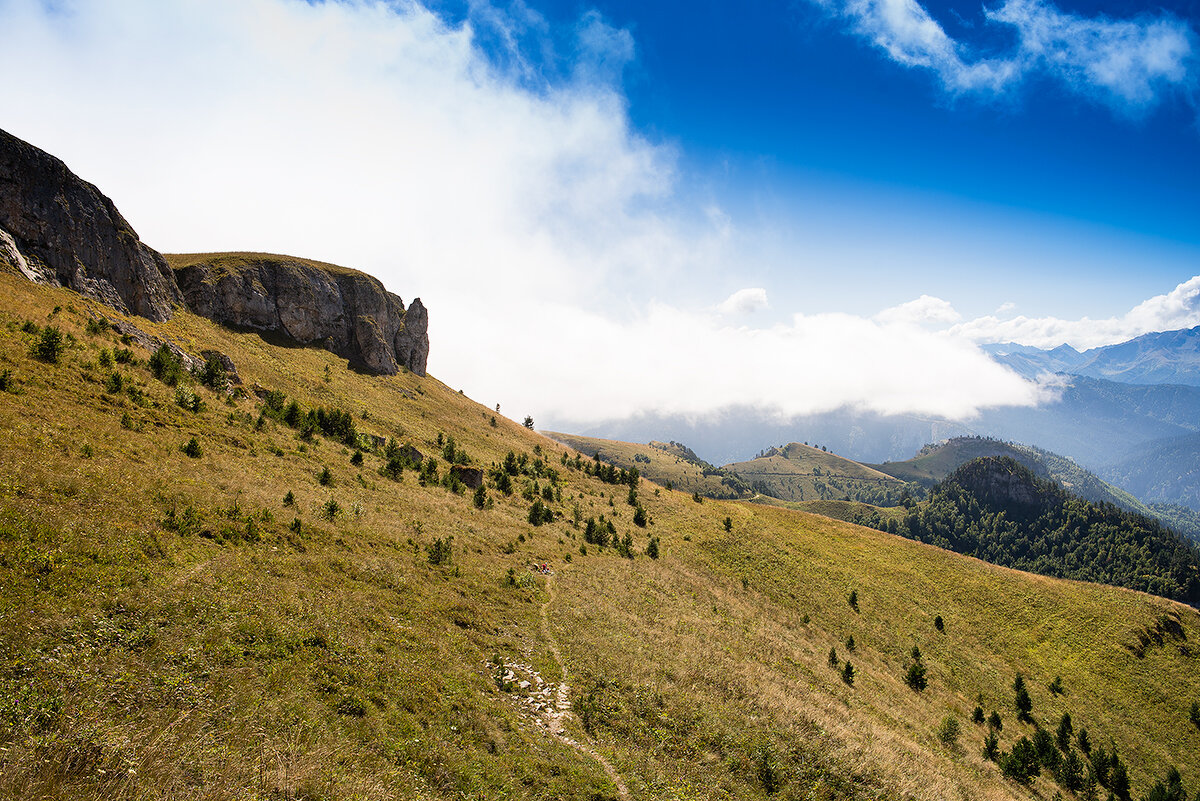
(140, 661)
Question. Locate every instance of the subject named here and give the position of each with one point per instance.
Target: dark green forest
(995, 509)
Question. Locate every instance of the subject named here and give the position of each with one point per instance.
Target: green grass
(168, 633)
(235, 263)
(664, 463)
(799, 472)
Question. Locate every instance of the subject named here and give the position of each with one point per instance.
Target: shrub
(441, 551)
(213, 374)
(1047, 752)
(948, 731)
(848, 673)
(1171, 790)
(1021, 764)
(186, 399)
(105, 359)
(915, 678)
(540, 513)
(357, 459)
(1070, 771)
(480, 498)
(96, 326)
(1021, 699)
(652, 548)
(991, 745)
(325, 478)
(192, 448)
(114, 384)
(1062, 737)
(331, 509)
(50, 346)
(728, 524)
(122, 355)
(639, 517)
(166, 366)
(289, 499)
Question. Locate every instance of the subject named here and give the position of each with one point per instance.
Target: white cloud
(505, 185)
(1129, 64)
(913, 38)
(1179, 308)
(744, 301)
(924, 310)
(1128, 61)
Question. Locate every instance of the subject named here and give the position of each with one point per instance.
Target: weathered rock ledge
(308, 302)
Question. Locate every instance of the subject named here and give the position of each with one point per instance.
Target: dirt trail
(555, 716)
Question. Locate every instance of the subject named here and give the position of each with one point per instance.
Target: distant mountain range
(1166, 357)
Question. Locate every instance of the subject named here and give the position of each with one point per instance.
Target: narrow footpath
(557, 714)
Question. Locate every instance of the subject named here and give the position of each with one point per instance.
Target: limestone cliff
(308, 302)
(58, 229)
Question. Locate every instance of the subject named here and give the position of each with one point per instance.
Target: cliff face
(310, 303)
(58, 229)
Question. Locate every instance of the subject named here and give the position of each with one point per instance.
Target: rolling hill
(671, 464)
(797, 472)
(936, 462)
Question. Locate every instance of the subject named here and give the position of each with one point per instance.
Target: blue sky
(796, 114)
(675, 208)
(780, 107)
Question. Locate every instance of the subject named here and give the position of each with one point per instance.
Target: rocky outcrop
(59, 229)
(56, 228)
(1000, 482)
(310, 303)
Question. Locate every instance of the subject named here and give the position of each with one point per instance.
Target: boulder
(470, 476)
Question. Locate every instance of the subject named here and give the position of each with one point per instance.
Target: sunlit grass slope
(665, 463)
(169, 628)
(799, 472)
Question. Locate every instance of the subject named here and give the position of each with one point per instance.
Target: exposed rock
(59, 229)
(470, 476)
(225, 363)
(310, 303)
(56, 228)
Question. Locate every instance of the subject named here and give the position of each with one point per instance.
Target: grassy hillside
(272, 618)
(798, 472)
(936, 462)
(670, 464)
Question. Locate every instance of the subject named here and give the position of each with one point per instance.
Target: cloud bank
(489, 166)
(1179, 308)
(1130, 65)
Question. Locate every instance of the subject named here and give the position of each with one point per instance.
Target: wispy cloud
(1128, 64)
